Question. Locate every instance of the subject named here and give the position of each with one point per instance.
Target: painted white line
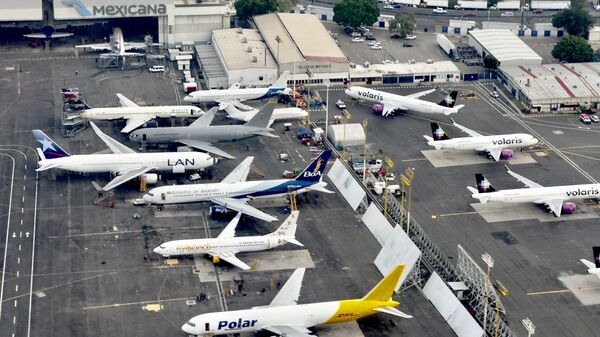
(17, 288)
(23, 199)
(16, 303)
(7, 231)
(20, 234)
(23, 187)
(21, 221)
(25, 169)
(32, 253)
(22, 210)
(24, 177)
(18, 274)
(19, 260)
(19, 247)
(14, 320)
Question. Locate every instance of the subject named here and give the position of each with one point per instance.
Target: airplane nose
(188, 98)
(535, 140)
(188, 329)
(156, 250)
(147, 198)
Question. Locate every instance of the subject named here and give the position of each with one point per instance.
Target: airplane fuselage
(247, 94)
(210, 134)
(140, 112)
(482, 143)
(539, 194)
(406, 103)
(215, 245)
(278, 114)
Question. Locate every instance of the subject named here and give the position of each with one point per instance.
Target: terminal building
(554, 87)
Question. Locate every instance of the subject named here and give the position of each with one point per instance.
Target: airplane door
(144, 137)
(163, 196)
(207, 327)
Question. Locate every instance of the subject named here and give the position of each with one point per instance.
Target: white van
(156, 69)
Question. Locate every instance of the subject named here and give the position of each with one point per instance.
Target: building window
(260, 78)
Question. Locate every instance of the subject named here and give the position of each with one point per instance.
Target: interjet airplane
(285, 317)
(234, 191)
(497, 146)
(555, 197)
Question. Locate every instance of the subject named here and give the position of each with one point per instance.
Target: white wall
(251, 76)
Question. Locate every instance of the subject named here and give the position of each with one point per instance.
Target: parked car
(469, 15)
(457, 7)
(595, 118)
(507, 14)
(355, 34)
(439, 10)
(369, 36)
(585, 119)
(494, 94)
(493, 7)
(358, 39)
(156, 69)
(376, 47)
(373, 43)
(538, 11)
(410, 37)
(388, 7)
(407, 44)
(340, 104)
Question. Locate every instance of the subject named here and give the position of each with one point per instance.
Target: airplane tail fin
(449, 100)
(384, 290)
(437, 132)
(483, 184)
(314, 172)
(262, 119)
(282, 80)
(596, 256)
(50, 149)
(287, 230)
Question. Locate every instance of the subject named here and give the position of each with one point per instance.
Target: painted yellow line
(551, 292)
(117, 305)
(458, 213)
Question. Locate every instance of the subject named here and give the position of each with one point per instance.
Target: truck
(372, 165)
(340, 104)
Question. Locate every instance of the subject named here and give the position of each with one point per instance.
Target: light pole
(327, 84)
(389, 165)
(365, 124)
(310, 76)
(528, 324)
(406, 180)
(489, 261)
(278, 40)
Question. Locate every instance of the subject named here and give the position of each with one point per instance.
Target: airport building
(504, 45)
(417, 72)
(554, 87)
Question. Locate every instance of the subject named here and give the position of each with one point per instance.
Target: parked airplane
(124, 162)
(593, 267)
(392, 102)
(234, 191)
(226, 245)
(200, 134)
(48, 32)
(236, 94)
(118, 48)
(497, 146)
(245, 113)
(555, 197)
(285, 317)
(136, 115)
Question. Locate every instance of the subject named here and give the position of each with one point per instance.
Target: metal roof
(504, 45)
(418, 68)
(209, 61)
(242, 49)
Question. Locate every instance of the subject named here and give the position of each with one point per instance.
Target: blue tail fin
(314, 171)
(50, 149)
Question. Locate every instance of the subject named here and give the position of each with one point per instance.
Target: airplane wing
(421, 93)
(289, 331)
(525, 181)
(495, 152)
(43, 36)
(240, 172)
(231, 258)
(234, 86)
(389, 108)
(134, 123)
(205, 146)
(125, 176)
(205, 119)
(114, 146)
(242, 207)
(555, 205)
(466, 130)
(95, 46)
(126, 102)
(134, 45)
(290, 292)
(229, 231)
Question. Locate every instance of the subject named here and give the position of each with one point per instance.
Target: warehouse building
(504, 45)
(414, 72)
(554, 87)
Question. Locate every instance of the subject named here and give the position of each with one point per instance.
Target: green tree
(577, 4)
(575, 21)
(248, 8)
(356, 13)
(490, 62)
(285, 5)
(573, 49)
(491, 3)
(403, 24)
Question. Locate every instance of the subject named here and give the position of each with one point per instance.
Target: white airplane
(234, 191)
(124, 162)
(226, 245)
(555, 197)
(285, 317)
(245, 113)
(236, 94)
(119, 48)
(497, 146)
(593, 267)
(136, 115)
(392, 102)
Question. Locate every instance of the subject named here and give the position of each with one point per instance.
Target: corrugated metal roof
(209, 61)
(419, 68)
(504, 45)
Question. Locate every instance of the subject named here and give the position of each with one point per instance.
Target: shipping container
(472, 4)
(509, 5)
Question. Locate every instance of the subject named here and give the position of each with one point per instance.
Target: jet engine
(506, 154)
(378, 109)
(216, 259)
(178, 169)
(150, 178)
(569, 207)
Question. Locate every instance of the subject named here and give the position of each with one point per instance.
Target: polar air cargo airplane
(226, 245)
(498, 146)
(136, 115)
(554, 197)
(593, 267)
(284, 316)
(392, 102)
(234, 191)
(124, 162)
(245, 113)
(235, 94)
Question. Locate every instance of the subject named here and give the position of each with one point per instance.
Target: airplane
(392, 102)
(200, 134)
(234, 191)
(554, 197)
(48, 32)
(245, 113)
(136, 115)
(118, 48)
(285, 317)
(593, 267)
(226, 245)
(124, 162)
(497, 146)
(236, 94)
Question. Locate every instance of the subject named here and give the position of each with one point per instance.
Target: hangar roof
(504, 45)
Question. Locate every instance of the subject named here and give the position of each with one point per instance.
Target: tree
(575, 21)
(285, 5)
(356, 13)
(403, 24)
(490, 62)
(577, 4)
(248, 8)
(573, 49)
(491, 3)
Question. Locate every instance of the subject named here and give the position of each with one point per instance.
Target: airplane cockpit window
(191, 324)
(150, 194)
(162, 246)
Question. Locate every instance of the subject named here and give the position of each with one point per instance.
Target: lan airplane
(226, 245)
(555, 197)
(234, 191)
(119, 48)
(497, 146)
(593, 267)
(235, 94)
(124, 162)
(285, 317)
(136, 115)
(245, 113)
(392, 102)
